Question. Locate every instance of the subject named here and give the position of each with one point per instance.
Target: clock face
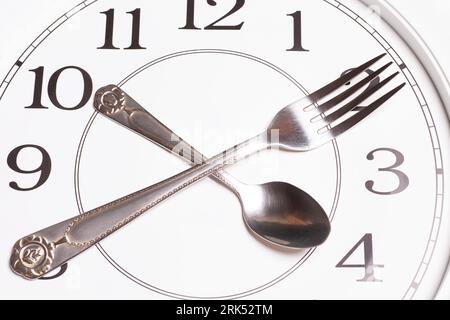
(216, 72)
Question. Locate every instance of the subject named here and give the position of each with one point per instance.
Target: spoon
(277, 212)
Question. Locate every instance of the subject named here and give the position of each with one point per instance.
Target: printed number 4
(368, 265)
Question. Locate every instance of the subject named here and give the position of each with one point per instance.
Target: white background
(431, 18)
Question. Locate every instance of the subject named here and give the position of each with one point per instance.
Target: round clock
(215, 72)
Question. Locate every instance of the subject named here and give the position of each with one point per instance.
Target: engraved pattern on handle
(97, 224)
(116, 214)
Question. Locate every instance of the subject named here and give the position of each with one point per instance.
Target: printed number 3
(402, 177)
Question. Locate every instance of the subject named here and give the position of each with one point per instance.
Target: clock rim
(417, 44)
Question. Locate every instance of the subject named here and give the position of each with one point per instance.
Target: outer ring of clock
(426, 57)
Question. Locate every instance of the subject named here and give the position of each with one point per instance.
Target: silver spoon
(277, 212)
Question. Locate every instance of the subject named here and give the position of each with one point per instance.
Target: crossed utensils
(277, 212)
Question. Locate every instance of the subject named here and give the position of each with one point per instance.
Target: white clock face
(215, 72)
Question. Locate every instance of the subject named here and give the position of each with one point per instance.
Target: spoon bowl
(284, 215)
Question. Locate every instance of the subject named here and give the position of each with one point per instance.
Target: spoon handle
(134, 117)
(39, 253)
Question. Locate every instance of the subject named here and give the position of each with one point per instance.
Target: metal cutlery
(301, 126)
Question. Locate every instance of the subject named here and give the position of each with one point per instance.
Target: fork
(301, 126)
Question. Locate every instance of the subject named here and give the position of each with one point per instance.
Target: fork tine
(344, 95)
(329, 88)
(361, 115)
(355, 102)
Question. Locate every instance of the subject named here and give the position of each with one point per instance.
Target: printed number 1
(298, 46)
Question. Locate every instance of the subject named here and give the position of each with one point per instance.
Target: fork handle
(39, 253)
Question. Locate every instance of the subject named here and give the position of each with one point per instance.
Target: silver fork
(301, 127)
